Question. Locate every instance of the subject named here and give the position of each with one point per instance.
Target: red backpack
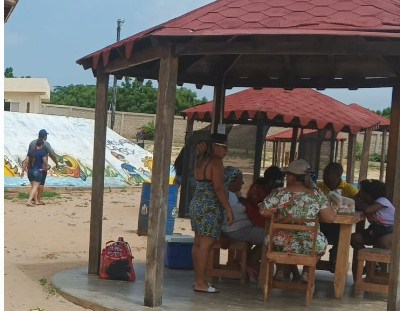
(117, 261)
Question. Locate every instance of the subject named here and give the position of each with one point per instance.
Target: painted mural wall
(126, 164)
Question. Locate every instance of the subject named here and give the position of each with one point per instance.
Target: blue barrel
(143, 220)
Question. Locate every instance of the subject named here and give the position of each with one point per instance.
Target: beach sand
(46, 239)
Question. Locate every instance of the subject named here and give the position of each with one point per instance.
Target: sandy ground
(43, 240)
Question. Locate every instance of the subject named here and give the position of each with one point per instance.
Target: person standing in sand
(35, 165)
(50, 152)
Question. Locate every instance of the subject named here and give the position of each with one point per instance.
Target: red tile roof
(304, 106)
(287, 135)
(375, 18)
(366, 17)
(383, 122)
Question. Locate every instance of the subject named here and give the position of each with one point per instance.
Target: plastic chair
(273, 257)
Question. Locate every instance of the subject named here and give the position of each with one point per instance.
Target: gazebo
(279, 154)
(384, 125)
(299, 109)
(248, 43)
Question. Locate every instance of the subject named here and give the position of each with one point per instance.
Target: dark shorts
(374, 232)
(44, 175)
(34, 175)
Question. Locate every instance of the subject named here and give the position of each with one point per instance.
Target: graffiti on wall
(126, 163)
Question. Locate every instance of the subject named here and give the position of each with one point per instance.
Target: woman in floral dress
(206, 208)
(298, 200)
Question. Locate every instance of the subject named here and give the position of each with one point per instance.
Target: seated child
(379, 212)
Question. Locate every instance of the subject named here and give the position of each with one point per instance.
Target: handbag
(117, 261)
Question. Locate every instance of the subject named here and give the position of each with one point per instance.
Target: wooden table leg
(342, 260)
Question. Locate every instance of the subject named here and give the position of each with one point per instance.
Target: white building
(26, 94)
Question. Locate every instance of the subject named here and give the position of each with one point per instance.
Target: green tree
(185, 98)
(75, 95)
(384, 113)
(132, 96)
(136, 96)
(8, 72)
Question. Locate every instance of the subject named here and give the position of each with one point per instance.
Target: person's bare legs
(39, 193)
(385, 241)
(201, 252)
(32, 194)
(357, 242)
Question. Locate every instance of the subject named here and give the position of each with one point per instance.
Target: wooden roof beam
(137, 58)
(318, 83)
(291, 47)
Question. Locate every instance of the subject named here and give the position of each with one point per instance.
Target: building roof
(305, 108)
(286, 136)
(276, 43)
(384, 123)
(39, 86)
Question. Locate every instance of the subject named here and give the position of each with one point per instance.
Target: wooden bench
(377, 282)
(235, 267)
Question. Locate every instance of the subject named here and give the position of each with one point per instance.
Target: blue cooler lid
(179, 238)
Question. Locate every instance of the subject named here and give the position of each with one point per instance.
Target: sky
(44, 38)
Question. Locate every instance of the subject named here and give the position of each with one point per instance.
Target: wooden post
(283, 154)
(293, 144)
(336, 151)
(99, 155)
(332, 148)
(351, 158)
(260, 137)
(160, 178)
(274, 152)
(341, 151)
(279, 154)
(218, 108)
(321, 136)
(393, 186)
(265, 151)
(383, 154)
(365, 155)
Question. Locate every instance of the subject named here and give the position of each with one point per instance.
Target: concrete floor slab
(90, 292)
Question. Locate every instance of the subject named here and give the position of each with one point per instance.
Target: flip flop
(41, 203)
(209, 284)
(210, 290)
(30, 204)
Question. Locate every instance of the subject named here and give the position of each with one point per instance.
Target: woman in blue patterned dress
(298, 200)
(206, 208)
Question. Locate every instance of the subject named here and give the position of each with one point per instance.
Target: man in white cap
(43, 136)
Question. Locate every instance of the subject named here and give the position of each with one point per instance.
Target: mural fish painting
(126, 163)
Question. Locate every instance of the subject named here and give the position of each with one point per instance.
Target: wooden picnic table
(346, 222)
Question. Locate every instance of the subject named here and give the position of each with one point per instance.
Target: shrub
(149, 131)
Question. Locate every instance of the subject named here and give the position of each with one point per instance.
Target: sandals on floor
(41, 203)
(30, 204)
(210, 290)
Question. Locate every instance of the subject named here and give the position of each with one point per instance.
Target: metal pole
(114, 95)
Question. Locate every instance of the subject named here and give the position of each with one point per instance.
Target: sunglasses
(225, 146)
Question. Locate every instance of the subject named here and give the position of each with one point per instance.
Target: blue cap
(43, 133)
